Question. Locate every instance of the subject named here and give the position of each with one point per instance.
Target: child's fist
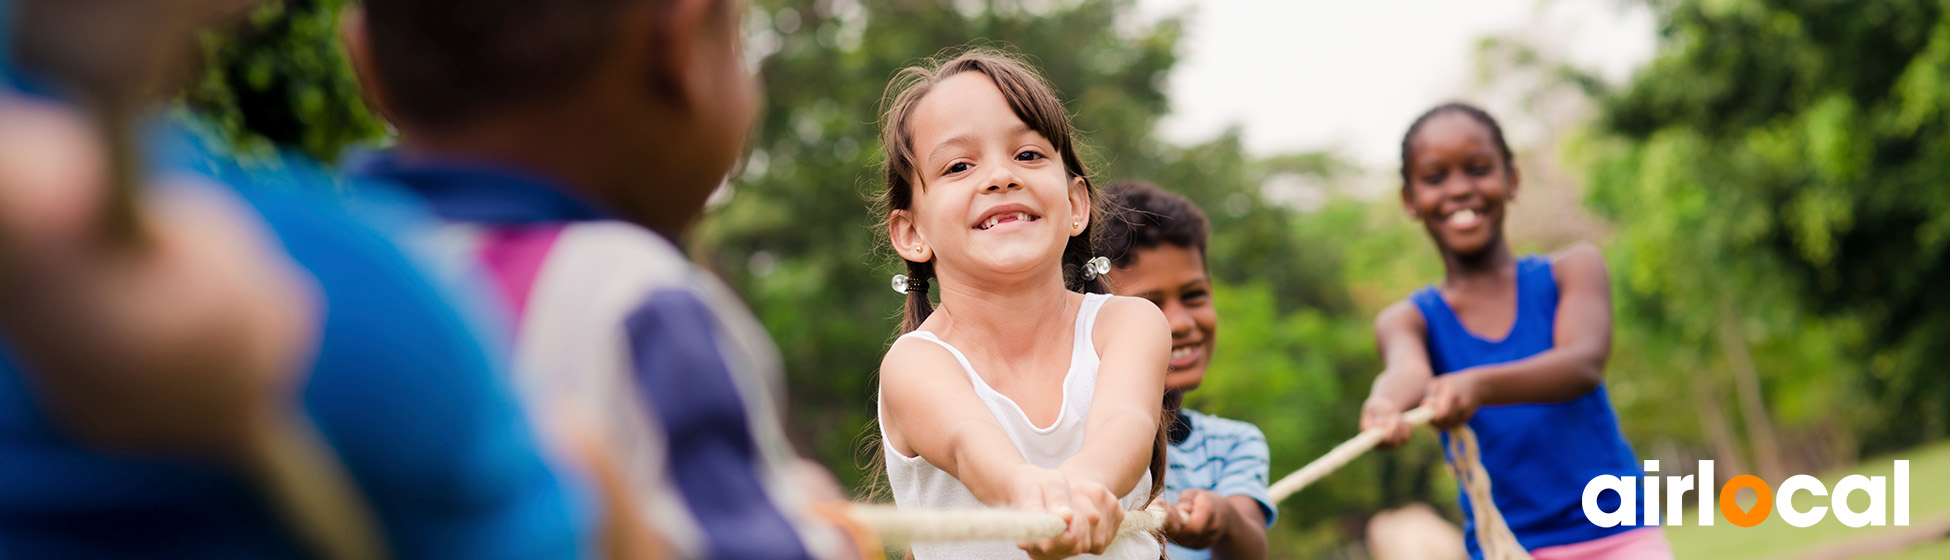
(1380, 414)
(1452, 400)
(1088, 509)
(191, 341)
(1198, 520)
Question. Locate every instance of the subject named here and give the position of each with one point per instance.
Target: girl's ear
(1408, 202)
(905, 234)
(1510, 194)
(1079, 206)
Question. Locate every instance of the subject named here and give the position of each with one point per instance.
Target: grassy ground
(1933, 550)
(1929, 502)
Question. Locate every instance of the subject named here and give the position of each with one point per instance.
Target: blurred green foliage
(1776, 187)
(1781, 172)
(279, 79)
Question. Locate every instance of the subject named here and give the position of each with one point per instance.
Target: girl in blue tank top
(1513, 347)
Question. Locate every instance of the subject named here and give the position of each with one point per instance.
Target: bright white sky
(1350, 75)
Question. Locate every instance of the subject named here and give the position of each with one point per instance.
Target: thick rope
(1338, 457)
(310, 488)
(982, 524)
(1464, 462)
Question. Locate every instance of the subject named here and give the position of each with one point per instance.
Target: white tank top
(918, 484)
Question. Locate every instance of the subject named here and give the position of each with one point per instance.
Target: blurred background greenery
(1772, 192)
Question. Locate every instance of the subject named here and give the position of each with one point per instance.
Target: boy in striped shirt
(1217, 472)
(569, 146)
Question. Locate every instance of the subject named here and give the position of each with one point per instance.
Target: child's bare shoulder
(1124, 318)
(1130, 314)
(1398, 316)
(912, 356)
(1581, 261)
(1129, 308)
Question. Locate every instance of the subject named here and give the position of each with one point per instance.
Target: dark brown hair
(1035, 102)
(447, 60)
(1145, 216)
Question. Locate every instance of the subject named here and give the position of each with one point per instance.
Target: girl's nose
(1003, 180)
(1458, 186)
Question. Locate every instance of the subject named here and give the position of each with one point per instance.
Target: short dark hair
(446, 60)
(1144, 216)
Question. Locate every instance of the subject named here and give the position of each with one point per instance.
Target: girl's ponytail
(918, 307)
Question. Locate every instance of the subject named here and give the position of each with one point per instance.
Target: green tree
(1778, 175)
(280, 79)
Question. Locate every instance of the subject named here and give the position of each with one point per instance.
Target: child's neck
(1486, 270)
(566, 149)
(1009, 321)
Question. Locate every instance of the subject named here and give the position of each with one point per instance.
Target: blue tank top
(1539, 456)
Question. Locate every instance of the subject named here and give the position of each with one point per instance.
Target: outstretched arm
(1135, 343)
(930, 409)
(1230, 518)
(1402, 337)
(1573, 367)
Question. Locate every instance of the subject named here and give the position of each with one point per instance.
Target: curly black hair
(1144, 216)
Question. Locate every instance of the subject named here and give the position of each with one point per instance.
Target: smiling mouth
(1184, 356)
(1004, 218)
(1464, 219)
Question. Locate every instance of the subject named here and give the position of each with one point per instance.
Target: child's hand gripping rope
(898, 526)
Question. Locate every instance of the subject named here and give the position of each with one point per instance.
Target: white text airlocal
(1676, 488)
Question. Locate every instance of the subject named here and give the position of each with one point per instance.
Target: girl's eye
(957, 167)
(1030, 155)
(1434, 178)
(1195, 297)
(1479, 170)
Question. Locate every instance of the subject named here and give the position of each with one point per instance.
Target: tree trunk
(1719, 429)
(1753, 407)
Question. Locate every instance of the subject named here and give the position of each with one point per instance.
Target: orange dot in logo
(1730, 507)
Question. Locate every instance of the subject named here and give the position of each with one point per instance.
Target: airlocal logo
(1678, 486)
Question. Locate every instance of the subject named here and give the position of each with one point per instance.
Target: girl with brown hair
(987, 398)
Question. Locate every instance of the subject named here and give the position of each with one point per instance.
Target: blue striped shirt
(1225, 456)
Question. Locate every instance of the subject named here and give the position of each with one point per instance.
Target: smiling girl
(987, 397)
(1514, 347)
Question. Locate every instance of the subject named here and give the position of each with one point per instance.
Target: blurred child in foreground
(137, 363)
(569, 145)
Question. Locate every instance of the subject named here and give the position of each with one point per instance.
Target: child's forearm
(1399, 336)
(1556, 375)
(1402, 388)
(1116, 452)
(1245, 533)
(985, 461)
